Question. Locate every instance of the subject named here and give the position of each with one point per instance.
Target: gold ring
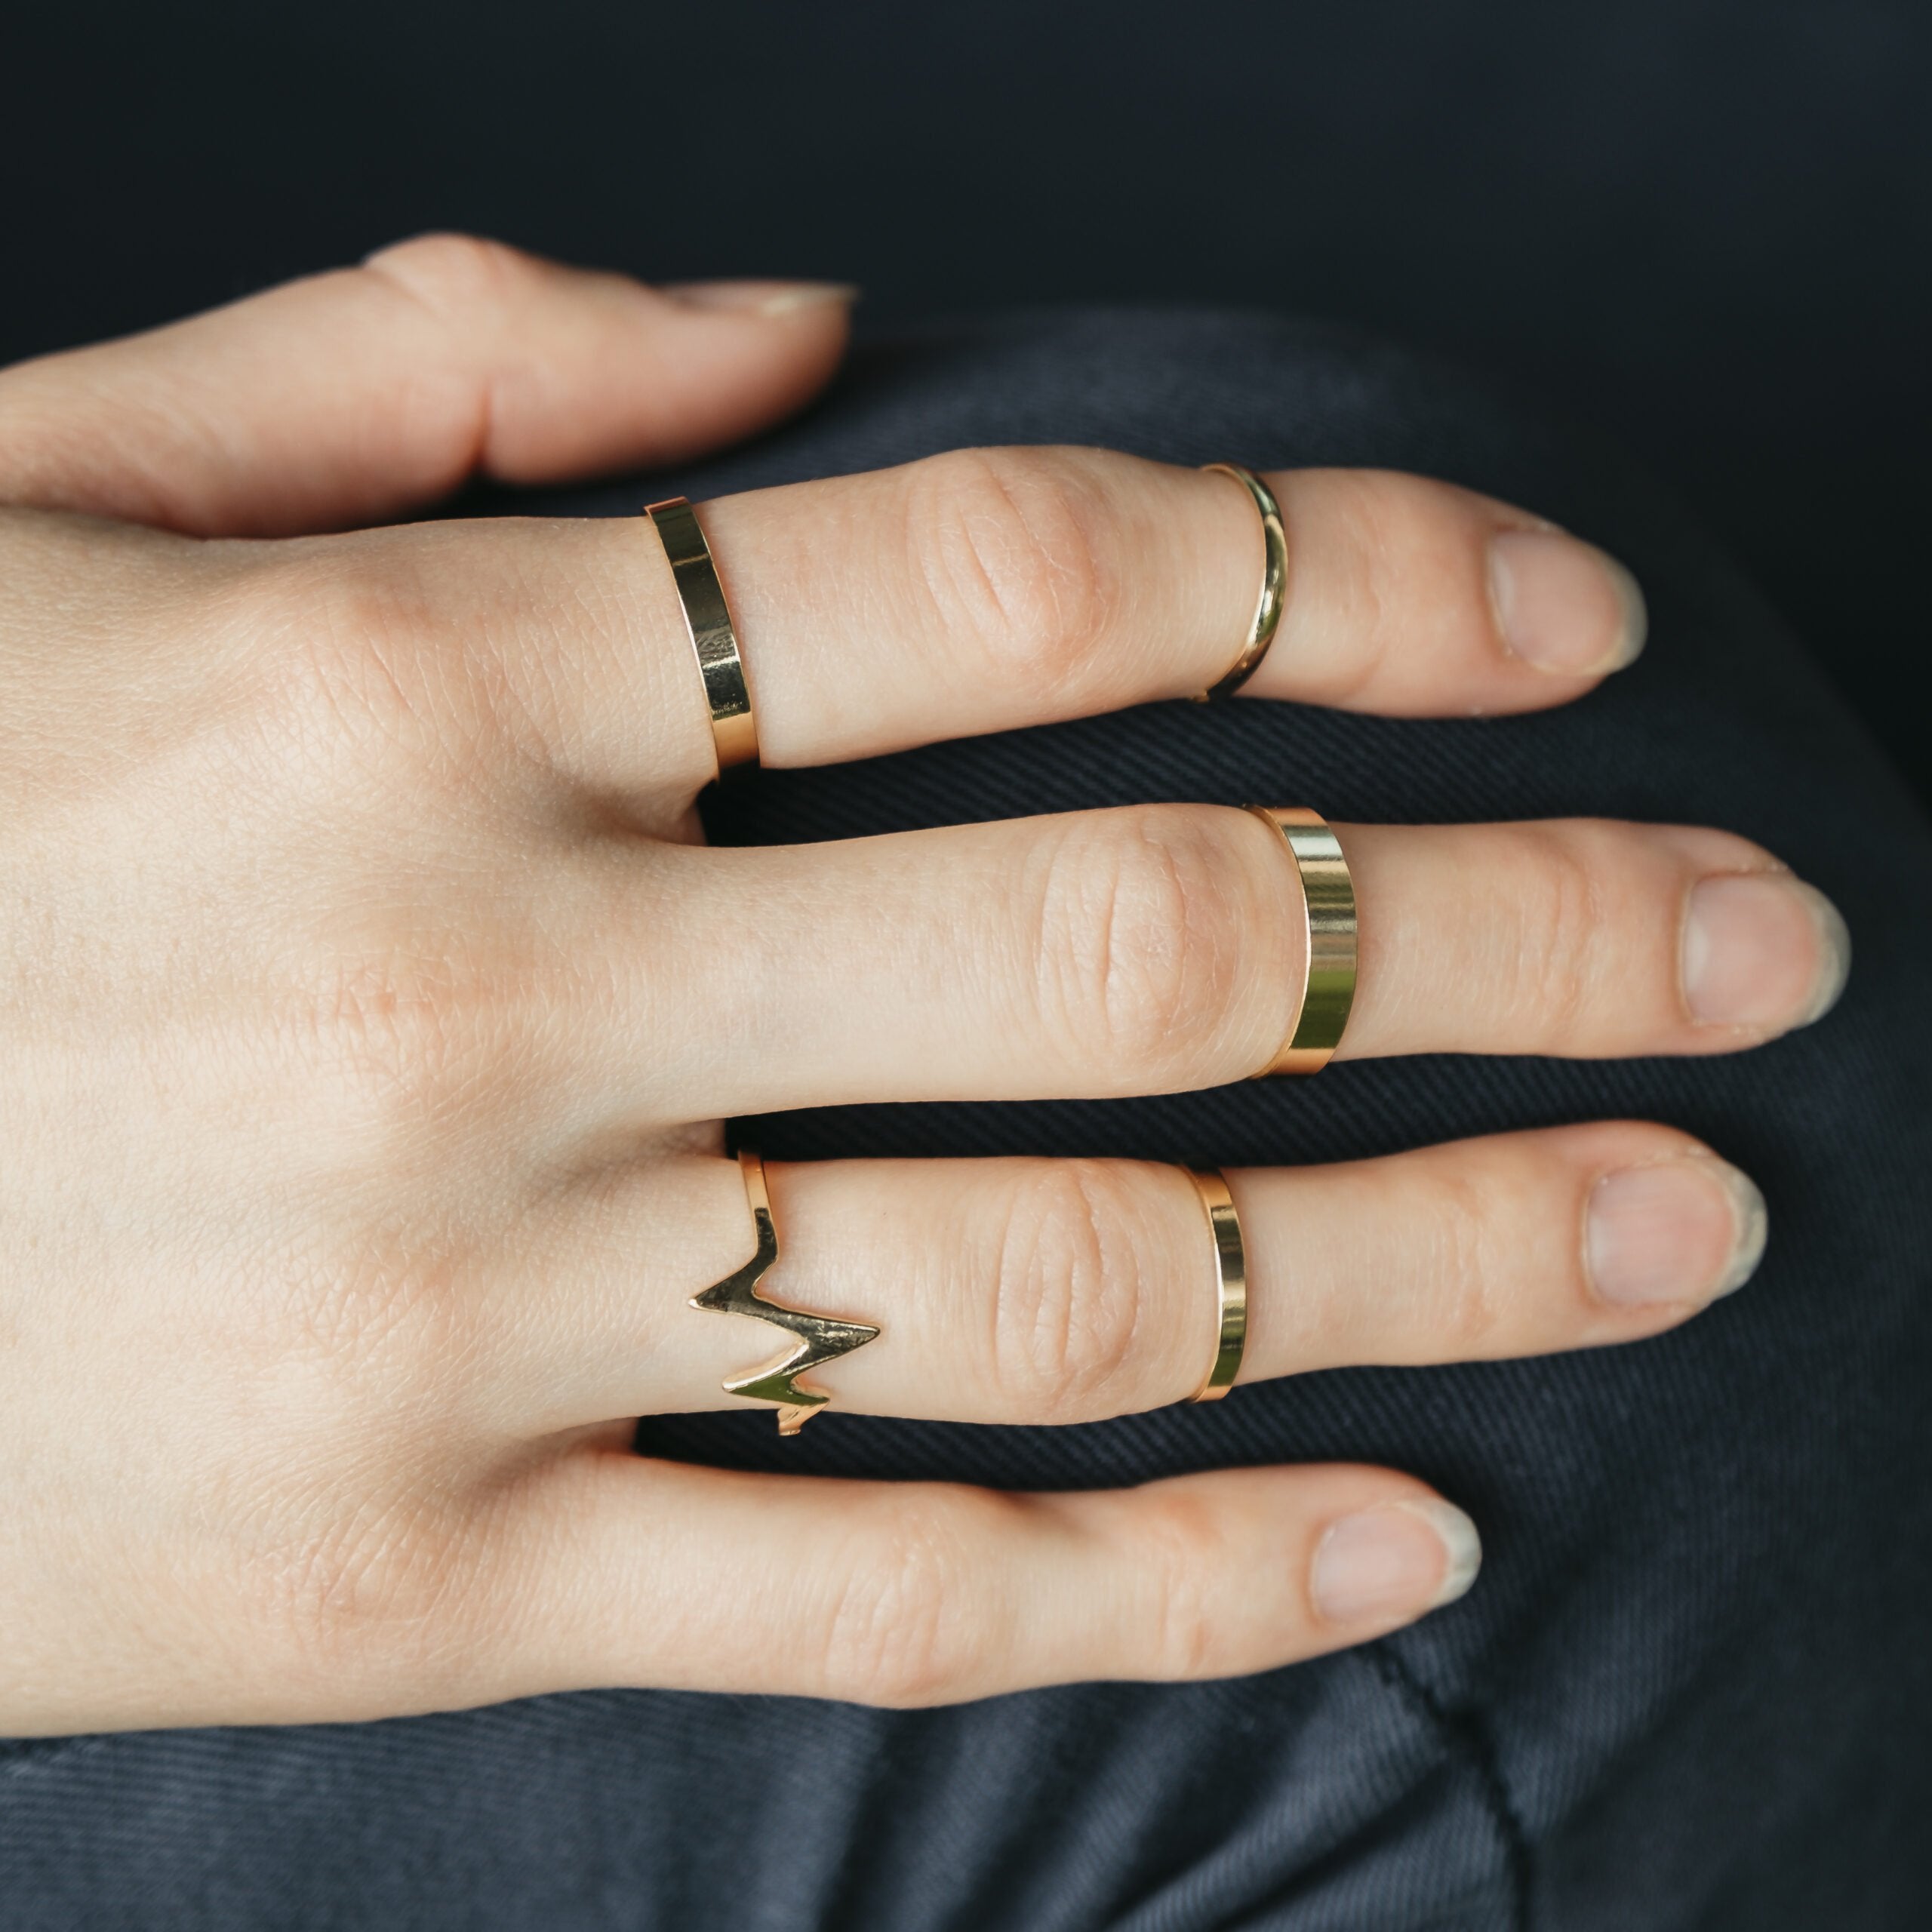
(708, 624)
(1274, 585)
(1231, 1279)
(1328, 906)
(819, 1339)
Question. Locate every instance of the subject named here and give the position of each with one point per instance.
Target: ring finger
(1022, 1291)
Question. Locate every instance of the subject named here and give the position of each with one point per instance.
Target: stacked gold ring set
(1321, 1013)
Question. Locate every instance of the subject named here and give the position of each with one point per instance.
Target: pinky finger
(910, 1594)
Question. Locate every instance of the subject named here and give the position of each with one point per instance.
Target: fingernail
(1763, 949)
(1563, 605)
(762, 298)
(1687, 1230)
(1387, 1564)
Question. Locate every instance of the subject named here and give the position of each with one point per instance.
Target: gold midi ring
(1231, 1278)
(1328, 905)
(819, 1339)
(707, 623)
(1274, 585)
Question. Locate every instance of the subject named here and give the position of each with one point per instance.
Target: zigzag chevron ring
(819, 1339)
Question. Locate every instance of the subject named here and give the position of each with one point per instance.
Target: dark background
(1705, 225)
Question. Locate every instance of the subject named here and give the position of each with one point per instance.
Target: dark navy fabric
(1690, 1689)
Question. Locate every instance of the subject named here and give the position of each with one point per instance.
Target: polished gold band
(708, 622)
(1274, 585)
(819, 1339)
(1231, 1277)
(1328, 904)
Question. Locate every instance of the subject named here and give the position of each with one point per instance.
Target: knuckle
(1360, 553)
(901, 1633)
(351, 673)
(462, 292)
(1557, 963)
(1464, 1270)
(386, 1329)
(1402, 569)
(368, 669)
(407, 1043)
(1142, 932)
(402, 1005)
(1186, 1561)
(449, 272)
(1014, 551)
(378, 1583)
(1071, 1297)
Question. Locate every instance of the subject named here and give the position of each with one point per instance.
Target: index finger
(986, 590)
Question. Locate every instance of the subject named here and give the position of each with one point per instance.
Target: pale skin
(370, 1006)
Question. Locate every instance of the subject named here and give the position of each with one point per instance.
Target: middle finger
(1160, 948)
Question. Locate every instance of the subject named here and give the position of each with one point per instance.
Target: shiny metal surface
(1274, 585)
(1328, 903)
(820, 1338)
(1231, 1278)
(708, 621)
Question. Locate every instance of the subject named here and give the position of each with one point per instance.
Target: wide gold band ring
(817, 1338)
(1274, 585)
(1231, 1282)
(707, 623)
(1328, 905)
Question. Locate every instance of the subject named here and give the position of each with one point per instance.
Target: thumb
(349, 396)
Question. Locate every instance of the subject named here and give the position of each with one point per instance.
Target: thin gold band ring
(1274, 585)
(708, 624)
(1231, 1279)
(1328, 906)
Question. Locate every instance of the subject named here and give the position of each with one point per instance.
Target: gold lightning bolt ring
(816, 1339)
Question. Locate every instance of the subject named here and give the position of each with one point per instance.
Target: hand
(370, 1007)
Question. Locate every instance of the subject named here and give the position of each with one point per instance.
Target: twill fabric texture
(1690, 1692)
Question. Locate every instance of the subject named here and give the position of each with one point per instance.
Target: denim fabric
(1690, 1689)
